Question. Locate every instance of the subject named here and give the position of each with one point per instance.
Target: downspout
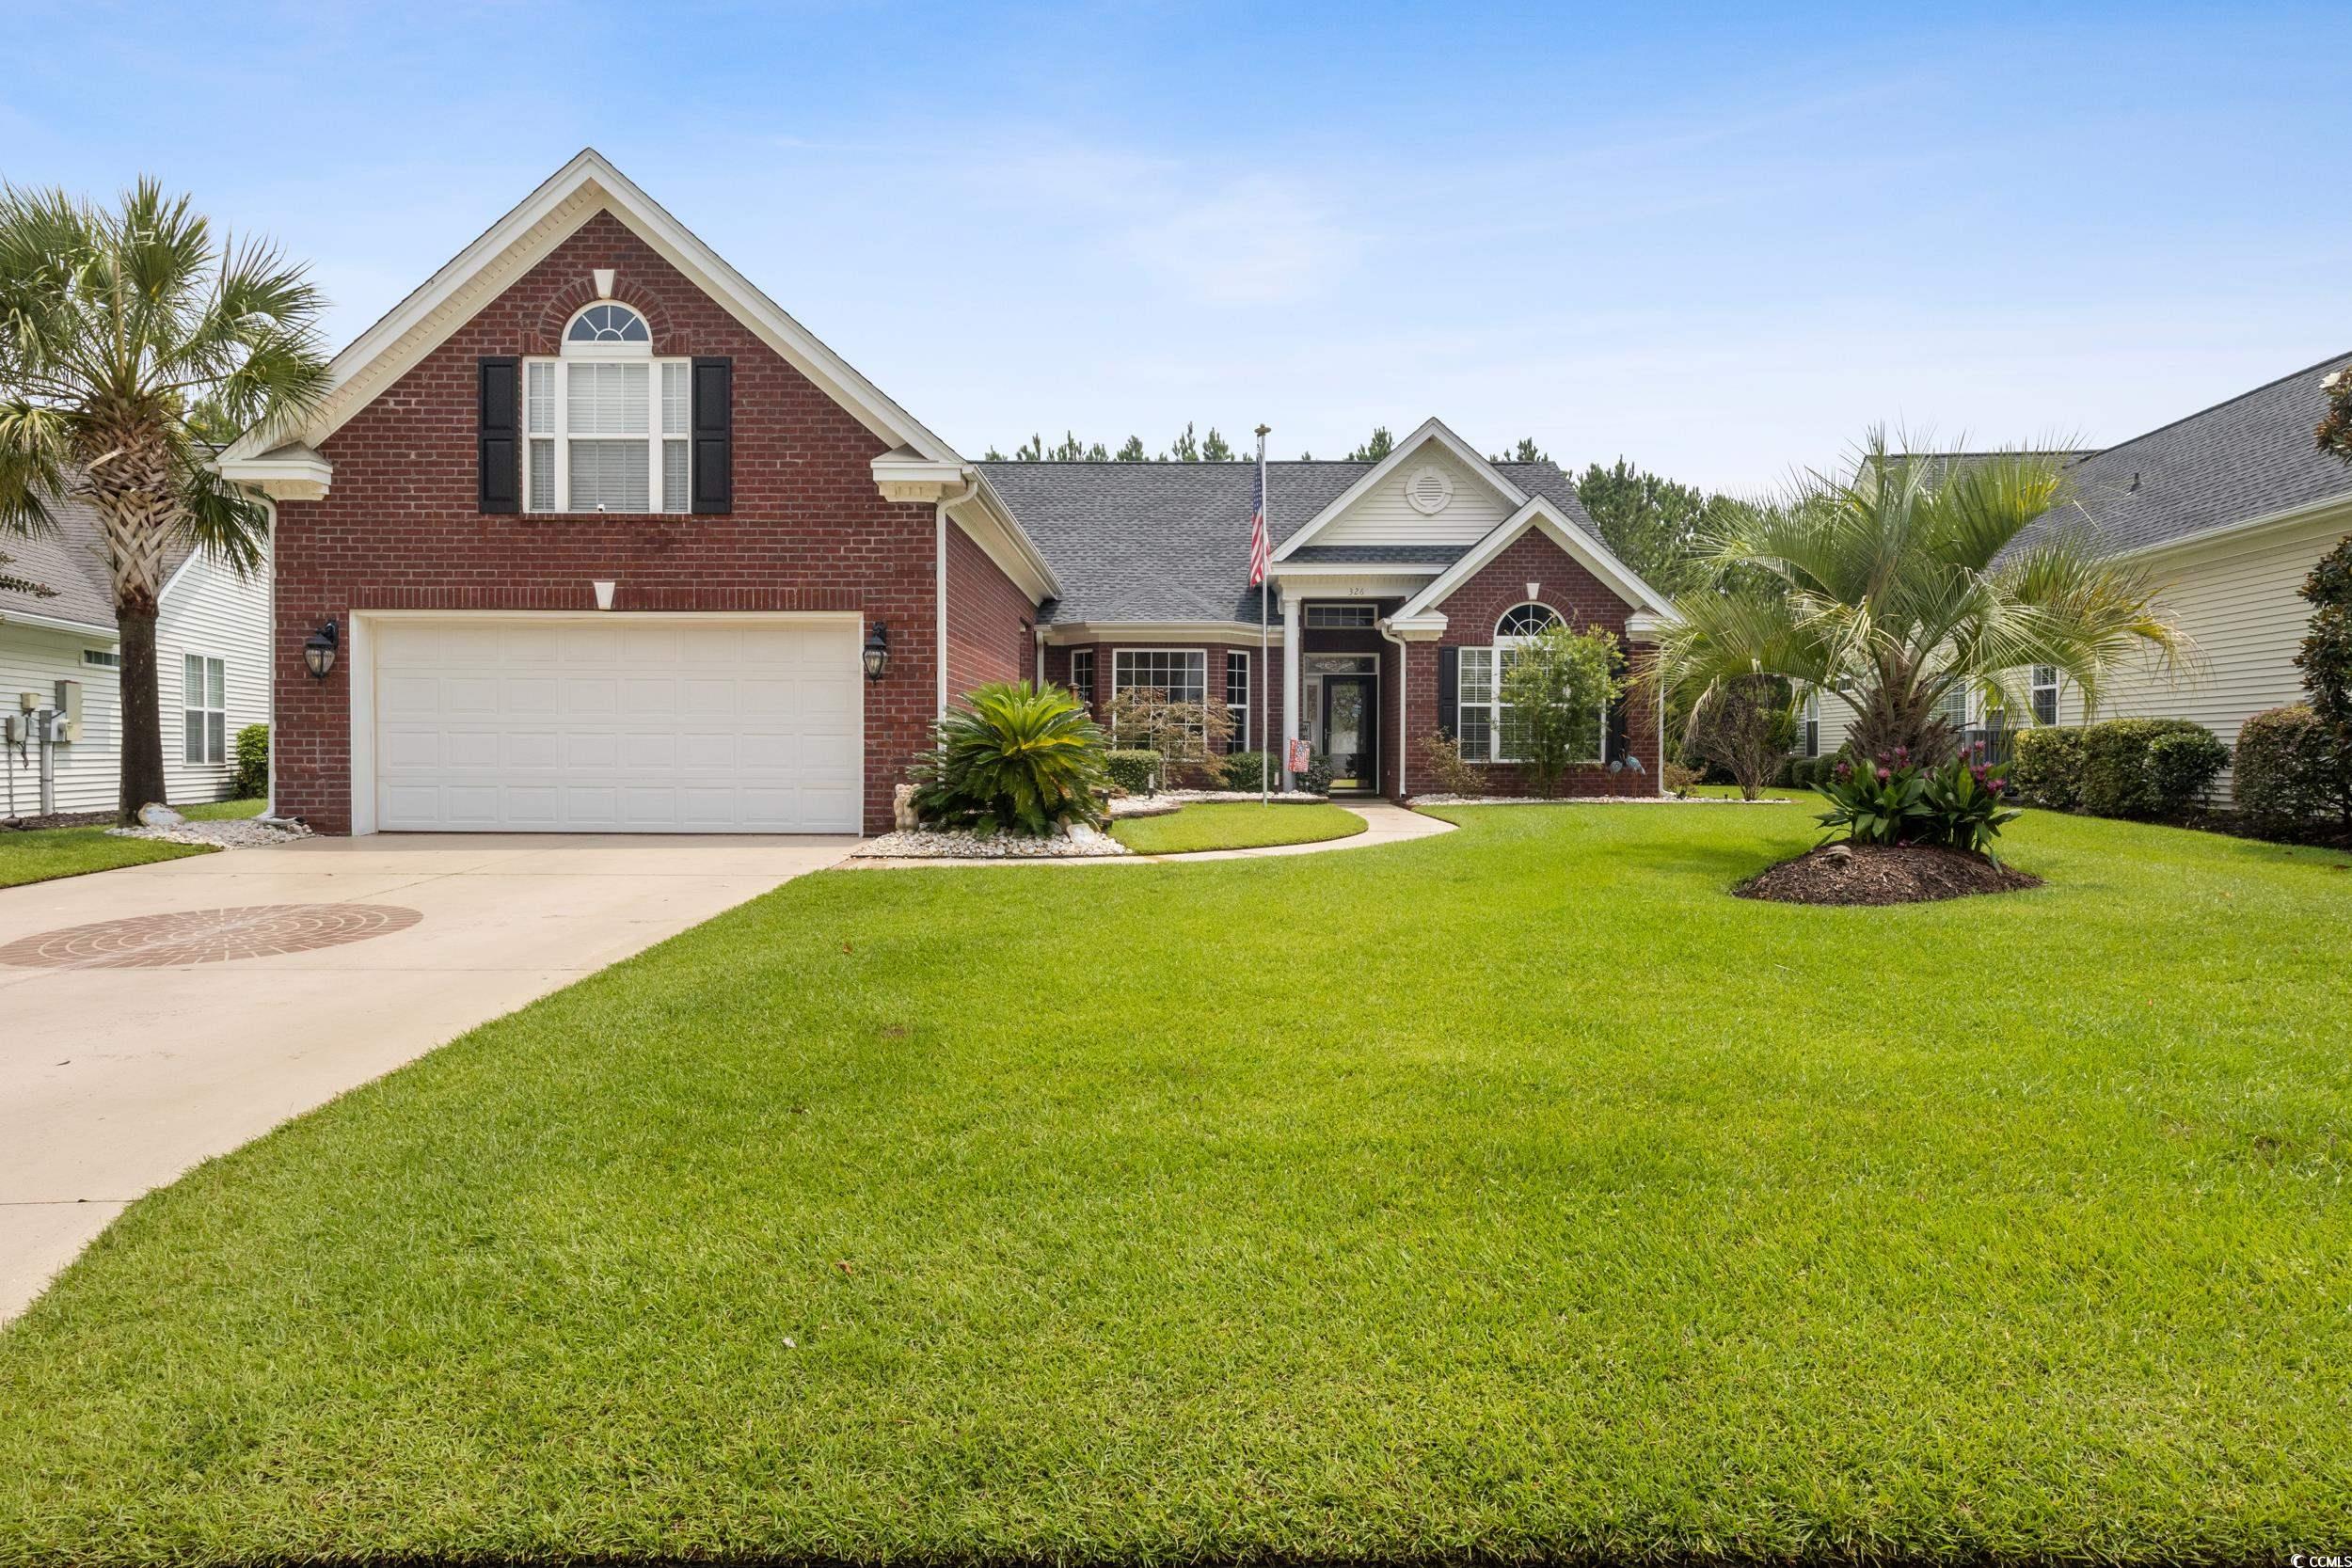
(1404, 684)
(939, 575)
(269, 665)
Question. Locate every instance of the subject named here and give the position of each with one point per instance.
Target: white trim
(1247, 679)
(1292, 640)
(1431, 429)
(288, 473)
(1355, 569)
(357, 647)
(2310, 512)
(1237, 632)
(939, 609)
(1002, 539)
(1540, 513)
(542, 220)
(52, 622)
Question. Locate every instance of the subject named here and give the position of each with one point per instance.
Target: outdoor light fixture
(318, 650)
(876, 651)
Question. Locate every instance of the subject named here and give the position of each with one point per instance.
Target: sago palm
(126, 337)
(1895, 584)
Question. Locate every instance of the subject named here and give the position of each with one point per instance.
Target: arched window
(1526, 620)
(608, 323)
(607, 421)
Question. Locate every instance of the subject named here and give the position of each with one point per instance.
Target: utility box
(69, 711)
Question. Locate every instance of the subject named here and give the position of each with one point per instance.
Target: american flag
(1261, 550)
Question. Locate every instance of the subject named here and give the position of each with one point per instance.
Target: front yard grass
(1235, 824)
(50, 852)
(1514, 1192)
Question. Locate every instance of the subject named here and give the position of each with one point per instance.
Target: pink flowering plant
(1961, 804)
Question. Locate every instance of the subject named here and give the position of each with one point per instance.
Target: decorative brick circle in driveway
(206, 936)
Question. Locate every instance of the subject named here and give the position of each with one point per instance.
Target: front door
(1351, 732)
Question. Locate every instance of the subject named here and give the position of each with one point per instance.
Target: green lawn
(1234, 825)
(50, 852)
(1515, 1190)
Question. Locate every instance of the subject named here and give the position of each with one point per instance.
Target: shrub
(1316, 779)
(1746, 726)
(2183, 766)
(252, 762)
(1959, 804)
(2290, 775)
(1442, 756)
(2118, 776)
(1190, 737)
(1679, 779)
(1245, 770)
(2046, 766)
(1559, 685)
(1135, 772)
(1013, 758)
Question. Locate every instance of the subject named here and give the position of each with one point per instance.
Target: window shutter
(1619, 740)
(1449, 692)
(714, 435)
(497, 436)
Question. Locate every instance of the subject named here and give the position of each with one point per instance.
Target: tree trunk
(1897, 713)
(142, 709)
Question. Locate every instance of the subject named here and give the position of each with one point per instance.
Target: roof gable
(1375, 510)
(570, 197)
(1542, 514)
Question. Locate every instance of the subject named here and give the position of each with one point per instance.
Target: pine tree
(1214, 448)
(1381, 444)
(1184, 448)
(1132, 450)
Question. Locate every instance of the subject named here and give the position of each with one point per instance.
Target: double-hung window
(1952, 707)
(1813, 724)
(1082, 675)
(606, 424)
(2045, 693)
(1237, 698)
(1488, 730)
(1181, 674)
(203, 709)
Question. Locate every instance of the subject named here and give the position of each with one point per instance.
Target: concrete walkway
(1386, 823)
(116, 1076)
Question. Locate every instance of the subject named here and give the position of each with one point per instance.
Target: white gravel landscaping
(1595, 800)
(1174, 799)
(934, 844)
(252, 833)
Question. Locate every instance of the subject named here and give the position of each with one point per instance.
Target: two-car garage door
(660, 724)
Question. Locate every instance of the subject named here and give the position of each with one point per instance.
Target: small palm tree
(1896, 584)
(127, 338)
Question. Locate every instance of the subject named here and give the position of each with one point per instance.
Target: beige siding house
(2230, 507)
(212, 654)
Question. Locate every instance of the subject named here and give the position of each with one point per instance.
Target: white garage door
(652, 726)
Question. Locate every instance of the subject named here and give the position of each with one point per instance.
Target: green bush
(2120, 777)
(252, 762)
(1242, 770)
(1013, 758)
(1961, 804)
(2183, 766)
(2290, 775)
(1316, 779)
(1135, 772)
(2046, 766)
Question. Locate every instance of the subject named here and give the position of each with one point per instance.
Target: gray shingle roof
(69, 558)
(1170, 541)
(2248, 457)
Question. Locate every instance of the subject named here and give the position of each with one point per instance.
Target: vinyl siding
(2239, 599)
(1384, 517)
(34, 658)
(208, 612)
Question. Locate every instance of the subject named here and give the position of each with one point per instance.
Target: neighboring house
(2229, 508)
(609, 542)
(210, 658)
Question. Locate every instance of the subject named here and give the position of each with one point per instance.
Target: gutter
(939, 575)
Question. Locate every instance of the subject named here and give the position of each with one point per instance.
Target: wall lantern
(876, 651)
(318, 650)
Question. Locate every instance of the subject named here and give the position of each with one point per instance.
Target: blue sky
(1721, 240)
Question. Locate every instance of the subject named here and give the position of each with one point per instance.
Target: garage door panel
(669, 727)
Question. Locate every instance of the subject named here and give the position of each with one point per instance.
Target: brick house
(598, 538)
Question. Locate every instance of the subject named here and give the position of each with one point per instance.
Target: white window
(1237, 698)
(2045, 693)
(1335, 615)
(1182, 673)
(203, 709)
(606, 425)
(1813, 724)
(1952, 707)
(1487, 730)
(1082, 675)
(105, 658)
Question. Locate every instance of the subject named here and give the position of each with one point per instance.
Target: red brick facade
(1260, 724)
(991, 623)
(1472, 612)
(400, 528)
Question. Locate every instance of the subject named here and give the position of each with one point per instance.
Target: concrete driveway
(116, 1077)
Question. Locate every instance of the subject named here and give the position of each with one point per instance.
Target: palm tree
(126, 338)
(1906, 579)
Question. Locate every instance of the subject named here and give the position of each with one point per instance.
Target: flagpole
(1266, 592)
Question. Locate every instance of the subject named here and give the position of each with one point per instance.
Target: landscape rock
(156, 814)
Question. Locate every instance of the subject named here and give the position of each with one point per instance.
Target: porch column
(1289, 680)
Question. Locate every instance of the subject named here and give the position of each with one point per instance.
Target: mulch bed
(1881, 874)
(55, 819)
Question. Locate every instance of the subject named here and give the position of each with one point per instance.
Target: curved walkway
(1385, 823)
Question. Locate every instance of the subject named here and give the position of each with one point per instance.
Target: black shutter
(1619, 737)
(714, 435)
(1449, 692)
(497, 447)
